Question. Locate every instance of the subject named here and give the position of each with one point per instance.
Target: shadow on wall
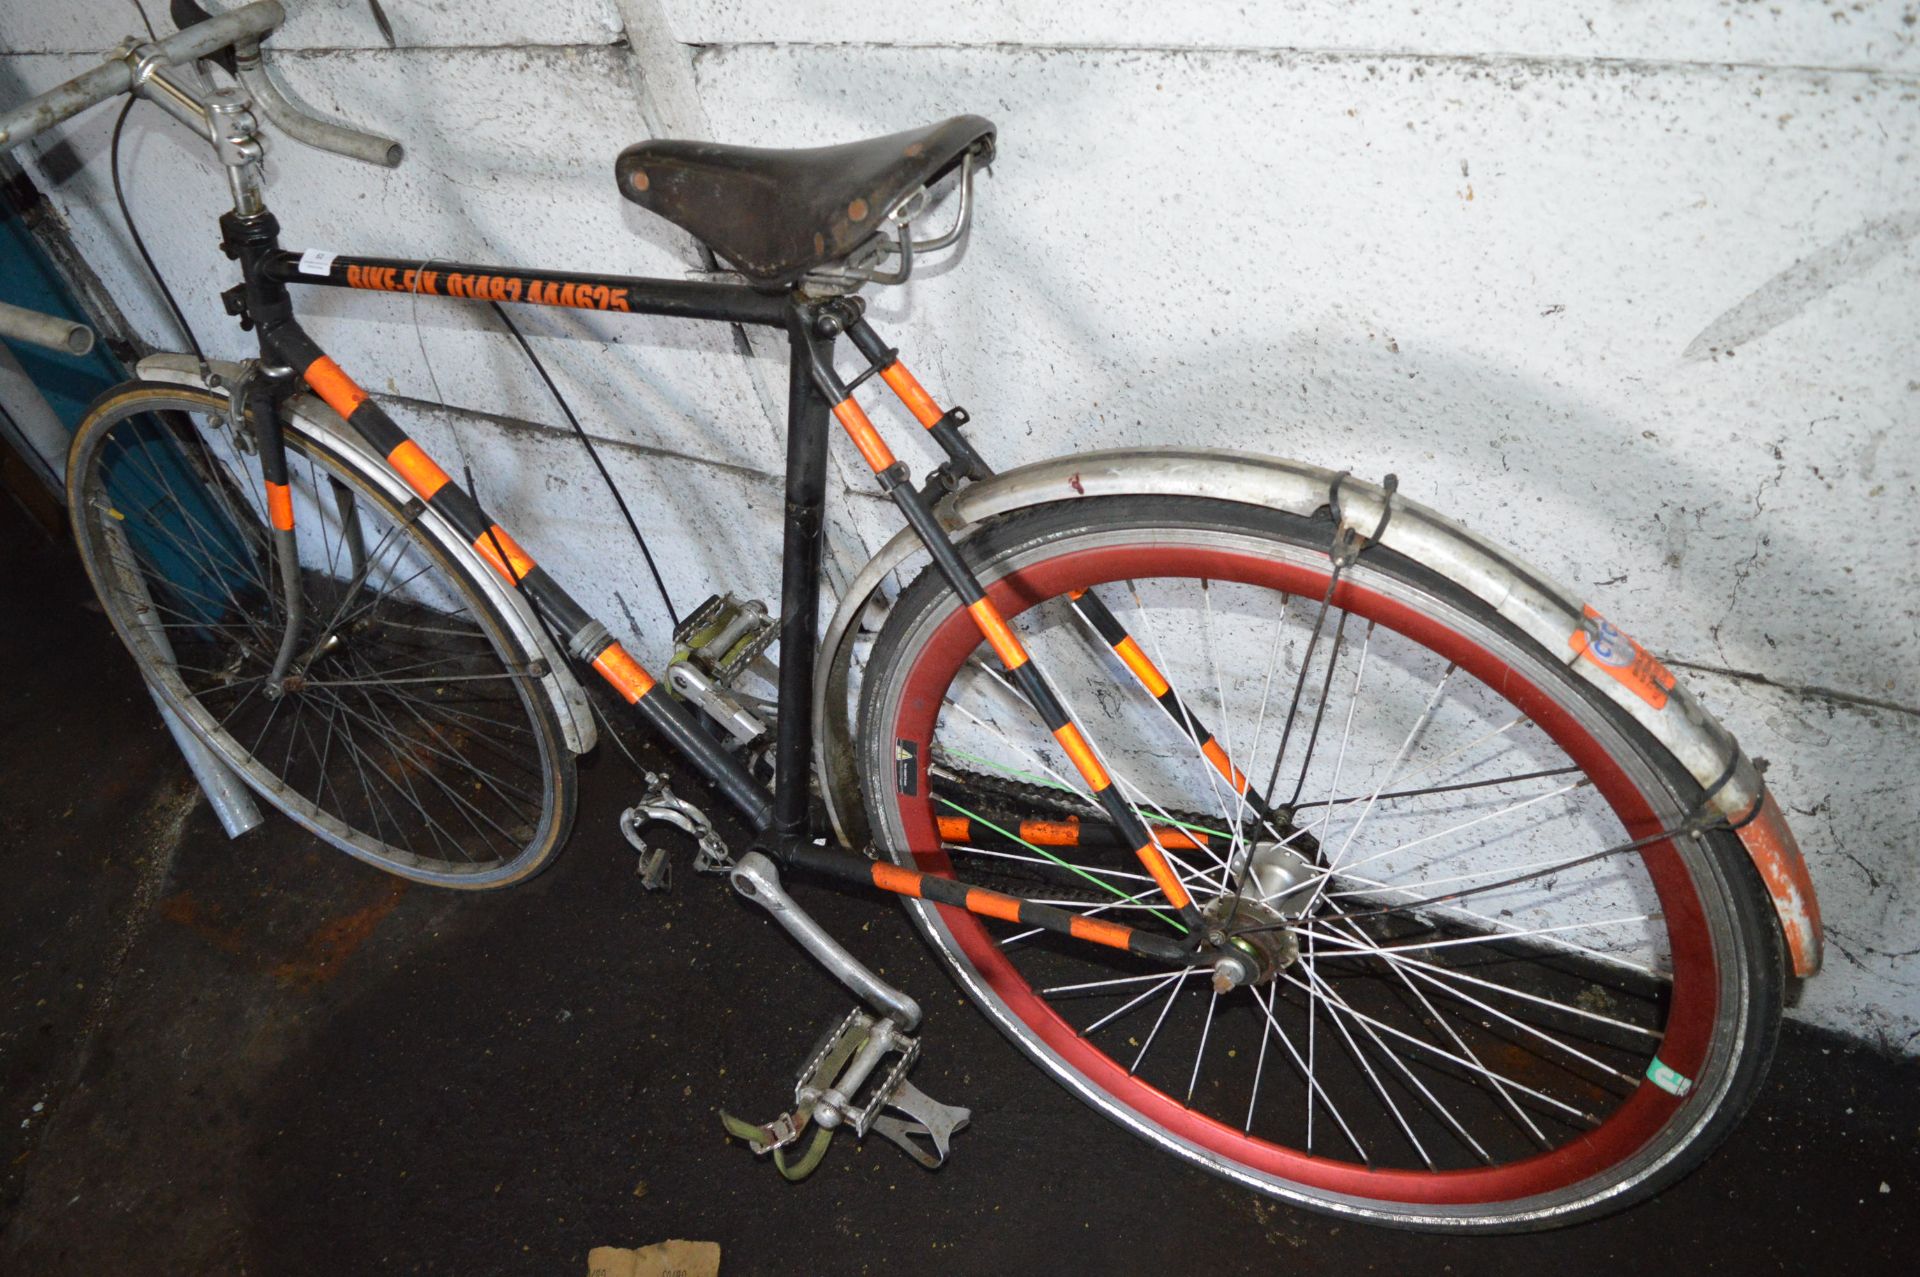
(1338, 391)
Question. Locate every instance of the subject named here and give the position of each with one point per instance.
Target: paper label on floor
(664, 1259)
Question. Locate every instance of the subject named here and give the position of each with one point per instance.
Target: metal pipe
(248, 22)
(64, 101)
(50, 331)
(226, 793)
(369, 148)
(756, 878)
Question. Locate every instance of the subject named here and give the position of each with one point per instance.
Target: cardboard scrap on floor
(663, 1259)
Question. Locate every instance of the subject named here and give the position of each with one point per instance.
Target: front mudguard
(563, 691)
(1548, 613)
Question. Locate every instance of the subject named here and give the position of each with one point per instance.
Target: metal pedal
(826, 1096)
(713, 647)
(660, 803)
(724, 635)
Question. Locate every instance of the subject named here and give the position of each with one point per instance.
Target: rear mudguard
(1546, 612)
(568, 698)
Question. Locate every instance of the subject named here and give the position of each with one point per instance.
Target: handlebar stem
(232, 128)
(150, 79)
(223, 117)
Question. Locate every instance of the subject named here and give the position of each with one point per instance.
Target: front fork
(260, 403)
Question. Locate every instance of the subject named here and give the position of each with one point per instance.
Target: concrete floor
(264, 1057)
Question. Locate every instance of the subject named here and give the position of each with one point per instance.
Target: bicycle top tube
(618, 294)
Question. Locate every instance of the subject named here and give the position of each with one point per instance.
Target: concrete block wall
(1629, 286)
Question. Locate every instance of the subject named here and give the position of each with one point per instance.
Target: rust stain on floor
(206, 921)
(329, 947)
(321, 956)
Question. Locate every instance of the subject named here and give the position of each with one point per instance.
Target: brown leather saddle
(774, 215)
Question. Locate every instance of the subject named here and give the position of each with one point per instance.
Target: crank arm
(756, 878)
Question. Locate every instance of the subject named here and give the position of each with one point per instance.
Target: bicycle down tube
(815, 390)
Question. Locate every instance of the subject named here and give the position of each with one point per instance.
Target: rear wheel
(1467, 1016)
(409, 731)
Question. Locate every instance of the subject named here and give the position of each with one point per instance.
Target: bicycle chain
(1051, 803)
(1065, 805)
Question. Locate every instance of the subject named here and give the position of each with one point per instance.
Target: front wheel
(1473, 1009)
(409, 731)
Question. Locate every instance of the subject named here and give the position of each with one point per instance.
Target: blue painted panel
(172, 522)
(28, 278)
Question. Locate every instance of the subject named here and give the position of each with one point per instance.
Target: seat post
(808, 413)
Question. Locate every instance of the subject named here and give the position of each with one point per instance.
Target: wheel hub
(1257, 923)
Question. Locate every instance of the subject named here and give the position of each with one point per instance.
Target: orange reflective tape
(1082, 755)
(1222, 764)
(279, 505)
(1101, 932)
(1776, 854)
(912, 394)
(993, 627)
(992, 904)
(892, 878)
(515, 566)
(1143, 669)
(334, 386)
(955, 828)
(1051, 833)
(1163, 874)
(864, 436)
(623, 673)
(1180, 838)
(418, 469)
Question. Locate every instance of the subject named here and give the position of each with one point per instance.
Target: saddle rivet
(639, 179)
(857, 211)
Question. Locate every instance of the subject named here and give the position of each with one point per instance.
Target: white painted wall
(1628, 285)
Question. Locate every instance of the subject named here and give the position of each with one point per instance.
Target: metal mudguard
(1550, 614)
(323, 423)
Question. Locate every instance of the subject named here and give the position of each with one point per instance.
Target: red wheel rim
(1688, 1034)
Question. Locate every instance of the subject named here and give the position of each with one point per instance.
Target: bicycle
(1107, 744)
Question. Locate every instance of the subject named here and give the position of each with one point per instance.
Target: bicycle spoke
(1433, 1019)
(1312, 1079)
(1519, 934)
(1179, 983)
(1104, 1020)
(1213, 1000)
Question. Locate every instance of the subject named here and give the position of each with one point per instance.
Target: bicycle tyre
(417, 741)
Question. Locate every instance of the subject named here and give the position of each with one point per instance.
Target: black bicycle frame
(815, 394)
